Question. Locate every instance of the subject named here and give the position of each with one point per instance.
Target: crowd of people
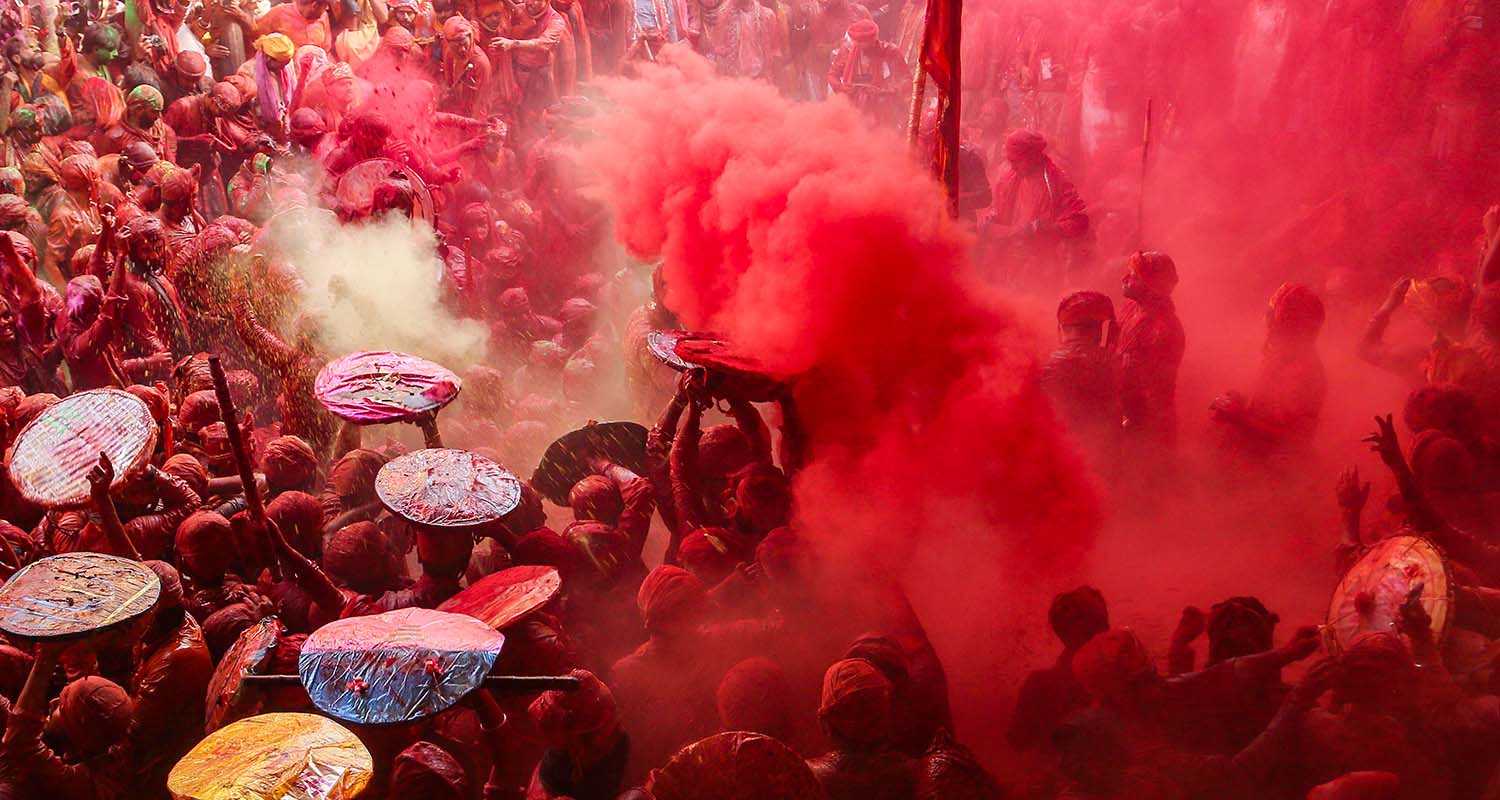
(158, 155)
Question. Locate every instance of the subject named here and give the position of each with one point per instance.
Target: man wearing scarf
(1038, 219)
(276, 82)
(871, 73)
(741, 37)
(142, 123)
(534, 50)
(1152, 341)
(302, 22)
(468, 78)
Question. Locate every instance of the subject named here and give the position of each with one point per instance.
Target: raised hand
(100, 476)
(1384, 441)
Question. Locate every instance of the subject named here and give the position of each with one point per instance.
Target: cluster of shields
(397, 667)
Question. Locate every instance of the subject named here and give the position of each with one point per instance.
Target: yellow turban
(277, 46)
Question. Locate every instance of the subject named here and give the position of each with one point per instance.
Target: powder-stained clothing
(1152, 342)
(170, 689)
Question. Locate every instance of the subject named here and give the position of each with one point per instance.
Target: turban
(359, 557)
(1155, 269)
(300, 519)
(1078, 615)
(1440, 462)
(189, 470)
(198, 410)
(145, 95)
(1375, 664)
(1296, 308)
(856, 701)
(276, 46)
(753, 697)
(1023, 145)
(224, 626)
(709, 553)
(13, 210)
(781, 553)
(1439, 406)
(191, 64)
(528, 515)
(226, 95)
(205, 546)
(576, 311)
(864, 31)
(562, 716)
(178, 186)
(308, 123)
(596, 497)
(427, 771)
(288, 461)
(24, 248)
(763, 491)
(457, 27)
(1359, 786)
(11, 180)
(669, 596)
(94, 713)
(353, 476)
(171, 585)
(884, 652)
(723, 450)
(84, 295)
(1110, 663)
(1236, 614)
(154, 400)
(515, 301)
(78, 173)
(139, 155)
(398, 38)
(25, 117)
(1083, 308)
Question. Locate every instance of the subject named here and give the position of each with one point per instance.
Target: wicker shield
(54, 453)
(247, 656)
(1370, 596)
(76, 594)
(445, 488)
(399, 666)
(274, 757)
(375, 387)
(506, 596)
(356, 187)
(566, 461)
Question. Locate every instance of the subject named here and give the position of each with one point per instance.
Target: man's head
(1294, 313)
(146, 240)
(223, 99)
(135, 160)
(1114, 667)
(534, 8)
(1078, 616)
(1025, 150)
(582, 722)
(670, 600)
(1085, 317)
(94, 714)
(7, 324)
(1239, 626)
(596, 498)
(23, 54)
(143, 105)
(277, 48)
(855, 707)
(443, 554)
(311, 9)
(1375, 670)
(1149, 274)
(189, 69)
(405, 14)
(101, 43)
(79, 175)
(458, 35)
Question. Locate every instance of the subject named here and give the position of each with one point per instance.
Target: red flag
(939, 62)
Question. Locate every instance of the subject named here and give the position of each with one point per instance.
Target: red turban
(669, 597)
(198, 410)
(856, 701)
(753, 697)
(782, 553)
(1024, 145)
(178, 186)
(171, 585)
(457, 26)
(710, 554)
(427, 771)
(1155, 269)
(191, 64)
(399, 38)
(1359, 786)
(13, 211)
(190, 471)
(564, 716)
(596, 497)
(307, 122)
(351, 481)
(1441, 463)
(288, 461)
(1441, 406)
(300, 519)
(94, 713)
(359, 557)
(154, 399)
(78, 173)
(864, 31)
(205, 546)
(528, 515)
(1110, 663)
(1296, 308)
(1082, 308)
(224, 626)
(723, 450)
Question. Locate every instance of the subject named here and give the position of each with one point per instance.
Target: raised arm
(102, 474)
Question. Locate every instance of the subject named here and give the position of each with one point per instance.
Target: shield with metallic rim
(1370, 596)
(247, 656)
(566, 461)
(376, 387)
(399, 666)
(53, 454)
(735, 766)
(506, 596)
(274, 757)
(447, 488)
(76, 594)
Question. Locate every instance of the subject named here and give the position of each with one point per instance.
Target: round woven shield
(735, 766)
(663, 345)
(1370, 596)
(76, 594)
(446, 488)
(54, 453)
(274, 757)
(247, 656)
(399, 666)
(506, 596)
(375, 387)
(566, 461)
(356, 187)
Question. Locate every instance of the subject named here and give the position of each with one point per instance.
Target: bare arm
(99, 479)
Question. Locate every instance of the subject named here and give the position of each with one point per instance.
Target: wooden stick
(241, 456)
(520, 684)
